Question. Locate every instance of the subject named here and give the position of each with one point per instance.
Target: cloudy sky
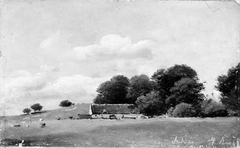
(56, 50)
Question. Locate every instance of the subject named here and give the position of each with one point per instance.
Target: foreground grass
(156, 132)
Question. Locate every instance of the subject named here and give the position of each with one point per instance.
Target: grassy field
(154, 132)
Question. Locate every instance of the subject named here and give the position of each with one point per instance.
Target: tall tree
(229, 86)
(113, 91)
(140, 85)
(186, 90)
(170, 81)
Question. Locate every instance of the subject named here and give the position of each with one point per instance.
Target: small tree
(27, 110)
(65, 103)
(184, 110)
(36, 107)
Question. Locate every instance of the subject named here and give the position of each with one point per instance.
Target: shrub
(151, 104)
(170, 110)
(184, 110)
(212, 108)
(233, 113)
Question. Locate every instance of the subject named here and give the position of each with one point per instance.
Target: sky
(56, 50)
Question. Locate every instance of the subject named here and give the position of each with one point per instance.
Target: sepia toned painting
(120, 73)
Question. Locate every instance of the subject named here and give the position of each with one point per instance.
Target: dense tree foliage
(36, 107)
(166, 78)
(178, 84)
(229, 85)
(166, 89)
(65, 103)
(186, 90)
(211, 108)
(26, 110)
(113, 91)
(151, 104)
(139, 86)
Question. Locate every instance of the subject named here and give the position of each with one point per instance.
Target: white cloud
(23, 89)
(114, 47)
(113, 54)
(49, 68)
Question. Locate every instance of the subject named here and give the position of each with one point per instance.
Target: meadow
(153, 132)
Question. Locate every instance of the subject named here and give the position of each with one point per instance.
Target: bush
(65, 103)
(151, 104)
(27, 110)
(233, 113)
(212, 108)
(170, 111)
(184, 110)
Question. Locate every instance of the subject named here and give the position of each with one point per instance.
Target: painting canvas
(171, 66)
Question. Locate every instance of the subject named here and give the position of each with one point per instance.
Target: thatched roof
(83, 109)
(112, 108)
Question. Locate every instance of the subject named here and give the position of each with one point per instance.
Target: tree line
(175, 91)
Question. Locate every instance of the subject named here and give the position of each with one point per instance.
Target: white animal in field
(40, 119)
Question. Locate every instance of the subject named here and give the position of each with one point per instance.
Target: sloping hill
(63, 113)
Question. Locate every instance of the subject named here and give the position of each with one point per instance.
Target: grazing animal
(27, 125)
(43, 125)
(17, 125)
(40, 119)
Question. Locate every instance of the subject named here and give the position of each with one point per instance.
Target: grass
(155, 132)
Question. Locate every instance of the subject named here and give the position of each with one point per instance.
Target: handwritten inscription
(213, 142)
(234, 142)
(181, 140)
